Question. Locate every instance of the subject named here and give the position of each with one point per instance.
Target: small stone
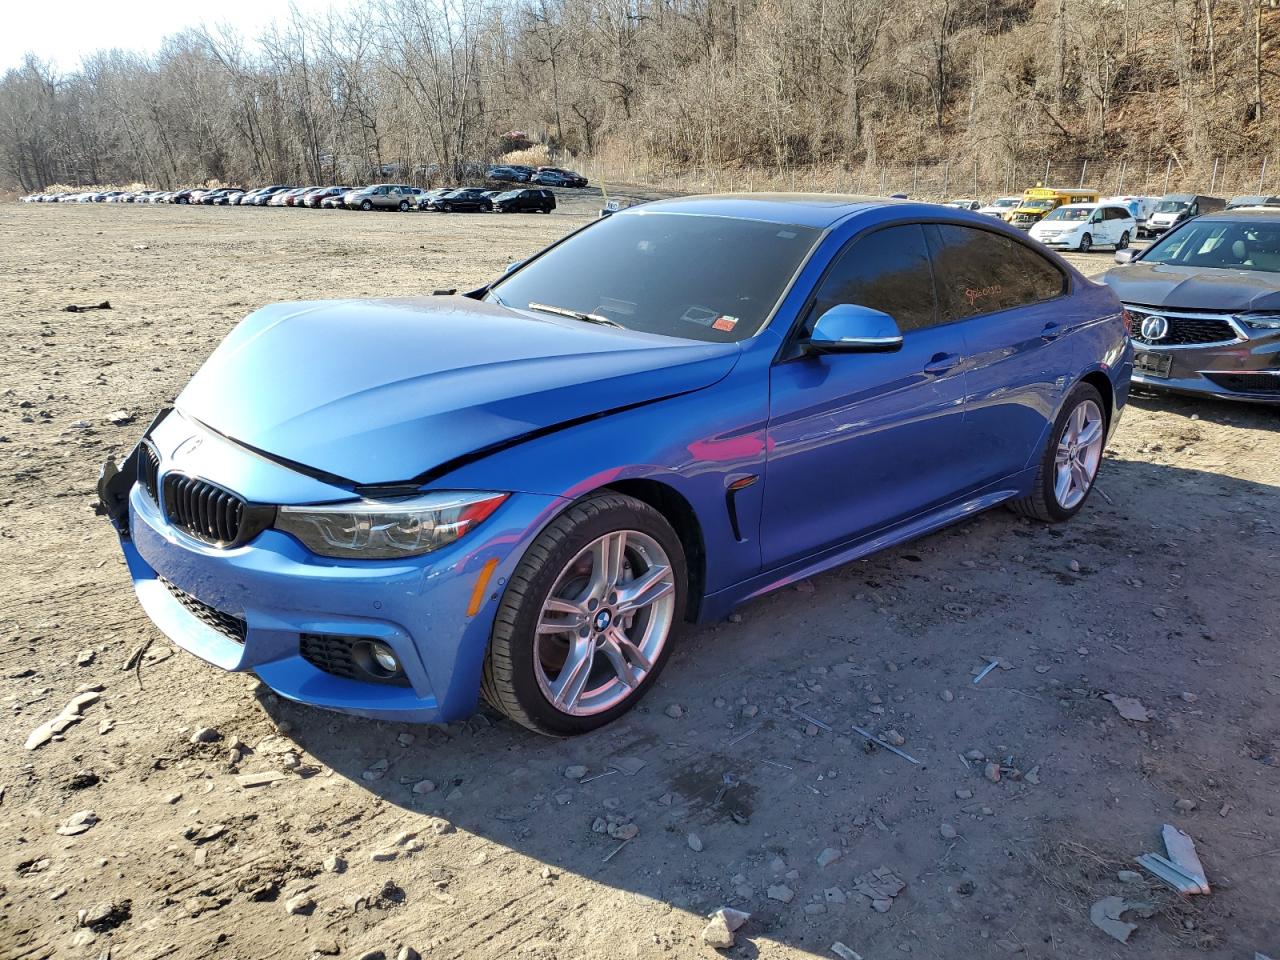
(882, 906)
(974, 755)
(576, 772)
(326, 948)
(173, 798)
(834, 895)
(1188, 696)
(695, 842)
(625, 831)
(947, 831)
(106, 726)
(964, 794)
(441, 827)
(719, 703)
(78, 823)
(405, 739)
(408, 953)
(334, 864)
(674, 711)
(205, 735)
(404, 837)
(844, 952)
(599, 825)
(376, 770)
(1184, 805)
(383, 856)
(302, 903)
(895, 738)
(424, 786)
(1074, 566)
(735, 618)
(1129, 876)
(782, 893)
(805, 586)
(1033, 776)
(750, 710)
(829, 856)
(260, 779)
(947, 696)
(84, 658)
(992, 772)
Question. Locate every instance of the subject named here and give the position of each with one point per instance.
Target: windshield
(1171, 206)
(679, 275)
(1241, 245)
(1005, 202)
(1073, 214)
(1037, 204)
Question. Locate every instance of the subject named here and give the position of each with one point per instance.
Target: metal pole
(976, 189)
(1120, 187)
(1045, 182)
(946, 179)
(1263, 175)
(1168, 169)
(882, 172)
(1084, 167)
(1213, 181)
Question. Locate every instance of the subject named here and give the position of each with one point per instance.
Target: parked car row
(545, 176)
(378, 196)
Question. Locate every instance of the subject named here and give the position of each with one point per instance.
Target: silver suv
(382, 196)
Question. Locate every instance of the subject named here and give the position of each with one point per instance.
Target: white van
(1085, 226)
(1140, 207)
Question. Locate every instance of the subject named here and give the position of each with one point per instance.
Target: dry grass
(535, 156)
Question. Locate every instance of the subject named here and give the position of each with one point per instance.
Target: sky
(64, 31)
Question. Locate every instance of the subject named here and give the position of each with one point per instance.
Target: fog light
(384, 657)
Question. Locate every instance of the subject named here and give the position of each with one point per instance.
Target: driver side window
(887, 270)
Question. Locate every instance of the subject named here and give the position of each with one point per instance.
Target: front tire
(1086, 243)
(366, 206)
(587, 620)
(1070, 463)
(404, 206)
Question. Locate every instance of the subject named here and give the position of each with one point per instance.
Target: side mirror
(1127, 255)
(849, 328)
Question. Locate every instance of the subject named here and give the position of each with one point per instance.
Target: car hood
(1195, 288)
(383, 391)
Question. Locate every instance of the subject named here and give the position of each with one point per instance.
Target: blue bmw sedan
(394, 507)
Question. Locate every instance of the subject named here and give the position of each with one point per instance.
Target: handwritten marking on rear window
(974, 294)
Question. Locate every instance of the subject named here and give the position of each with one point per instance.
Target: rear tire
(1124, 241)
(553, 580)
(1048, 502)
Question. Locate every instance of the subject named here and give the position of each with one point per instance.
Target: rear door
(1010, 300)
(858, 441)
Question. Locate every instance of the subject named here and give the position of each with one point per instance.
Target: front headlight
(388, 529)
(1265, 322)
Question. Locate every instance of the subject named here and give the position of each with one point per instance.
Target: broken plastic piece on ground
(1106, 915)
(880, 743)
(73, 308)
(1182, 869)
(1128, 707)
(991, 665)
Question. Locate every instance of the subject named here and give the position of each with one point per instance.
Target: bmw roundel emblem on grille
(1154, 327)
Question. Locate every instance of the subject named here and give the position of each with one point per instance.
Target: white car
(964, 204)
(1086, 226)
(1001, 206)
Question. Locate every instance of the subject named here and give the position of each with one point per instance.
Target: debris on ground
(881, 886)
(722, 926)
(1129, 708)
(1107, 914)
(845, 953)
(991, 665)
(1182, 868)
(73, 308)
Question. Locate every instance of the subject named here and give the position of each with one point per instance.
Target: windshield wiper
(575, 314)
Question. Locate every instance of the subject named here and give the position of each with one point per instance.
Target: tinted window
(982, 272)
(698, 277)
(1237, 245)
(888, 271)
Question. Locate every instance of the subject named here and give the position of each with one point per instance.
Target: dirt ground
(1163, 589)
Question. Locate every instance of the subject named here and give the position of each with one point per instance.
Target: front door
(858, 442)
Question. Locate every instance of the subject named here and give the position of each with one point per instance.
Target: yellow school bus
(1039, 201)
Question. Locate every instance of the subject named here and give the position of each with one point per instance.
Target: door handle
(942, 362)
(1051, 331)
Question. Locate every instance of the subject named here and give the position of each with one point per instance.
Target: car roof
(820, 210)
(1265, 214)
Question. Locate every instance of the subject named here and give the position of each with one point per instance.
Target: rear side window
(887, 270)
(983, 272)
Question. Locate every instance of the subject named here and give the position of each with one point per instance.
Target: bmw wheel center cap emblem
(603, 619)
(1154, 327)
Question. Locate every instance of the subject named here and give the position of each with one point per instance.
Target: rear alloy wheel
(447, 207)
(586, 621)
(1124, 241)
(366, 205)
(1070, 463)
(1086, 243)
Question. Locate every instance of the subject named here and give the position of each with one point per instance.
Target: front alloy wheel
(1086, 243)
(586, 622)
(366, 205)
